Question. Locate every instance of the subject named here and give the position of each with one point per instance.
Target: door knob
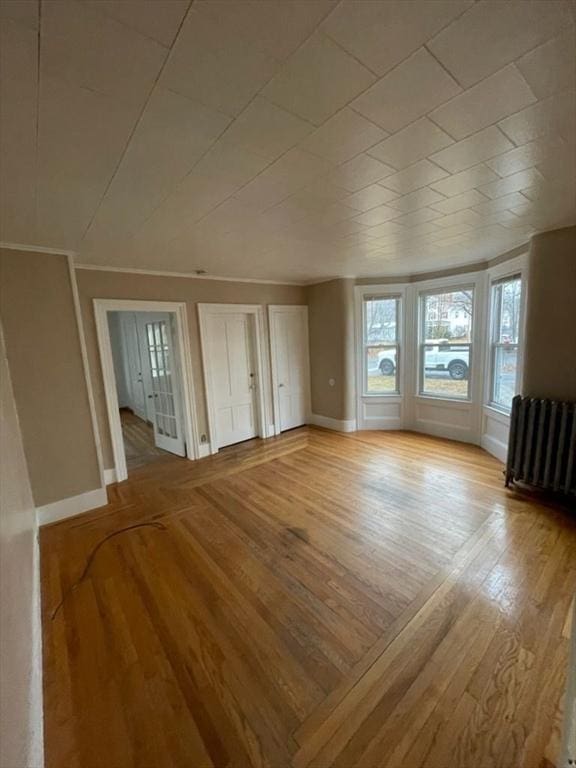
(280, 385)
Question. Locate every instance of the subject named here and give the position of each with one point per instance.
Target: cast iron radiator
(542, 444)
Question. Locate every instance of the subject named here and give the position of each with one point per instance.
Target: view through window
(446, 343)
(506, 298)
(381, 349)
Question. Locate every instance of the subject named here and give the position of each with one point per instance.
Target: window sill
(493, 410)
(380, 395)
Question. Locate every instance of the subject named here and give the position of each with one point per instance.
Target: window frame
(494, 344)
(421, 340)
(365, 344)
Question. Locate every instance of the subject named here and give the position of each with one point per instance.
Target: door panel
(160, 371)
(133, 365)
(232, 375)
(290, 358)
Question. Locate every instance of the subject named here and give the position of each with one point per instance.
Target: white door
(289, 342)
(232, 376)
(160, 371)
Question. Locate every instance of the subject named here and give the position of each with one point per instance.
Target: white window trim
(449, 285)
(516, 266)
(398, 344)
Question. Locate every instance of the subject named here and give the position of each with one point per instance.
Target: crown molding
(188, 275)
(37, 249)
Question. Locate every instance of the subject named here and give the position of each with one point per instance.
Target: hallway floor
(138, 438)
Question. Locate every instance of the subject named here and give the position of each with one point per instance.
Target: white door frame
(178, 309)
(261, 359)
(276, 309)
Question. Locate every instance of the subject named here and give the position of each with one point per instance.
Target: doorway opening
(147, 380)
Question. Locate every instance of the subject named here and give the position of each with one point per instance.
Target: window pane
(509, 316)
(446, 370)
(381, 370)
(505, 367)
(380, 320)
(448, 316)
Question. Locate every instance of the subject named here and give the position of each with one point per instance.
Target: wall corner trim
(338, 425)
(204, 450)
(494, 447)
(110, 476)
(73, 505)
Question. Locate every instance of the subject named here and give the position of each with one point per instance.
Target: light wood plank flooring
(317, 599)
(138, 437)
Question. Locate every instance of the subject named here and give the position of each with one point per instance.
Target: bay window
(381, 347)
(446, 343)
(505, 332)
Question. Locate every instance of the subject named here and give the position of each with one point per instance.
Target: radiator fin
(542, 444)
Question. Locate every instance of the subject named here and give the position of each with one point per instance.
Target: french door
(160, 371)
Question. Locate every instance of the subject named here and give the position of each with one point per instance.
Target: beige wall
(96, 284)
(20, 660)
(331, 318)
(550, 349)
(43, 349)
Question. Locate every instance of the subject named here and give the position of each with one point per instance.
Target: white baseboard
(204, 450)
(74, 505)
(495, 447)
(338, 425)
(36, 746)
(109, 476)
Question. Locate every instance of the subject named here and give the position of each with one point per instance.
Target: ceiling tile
(377, 216)
(492, 33)
(320, 193)
(465, 180)
(369, 197)
(459, 202)
(82, 135)
(460, 217)
(473, 150)
(419, 217)
(555, 115)
(212, 64)
(160, 21)
(18, 118)
(96, 52)
(525, 156)
(171, 136)
(418, 175)
(287, 175)
(418, 199)
(496, 97)
(516, 182)
(386, 229)
(343, 136)
(500, 204)
(551, 68)
(317, 80)
(382, 34)
(275, 28)
(266, 130)
(359, 172)
(411, 144)
(409, 91)
(24, 13)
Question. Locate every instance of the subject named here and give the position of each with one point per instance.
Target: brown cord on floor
(92, 555)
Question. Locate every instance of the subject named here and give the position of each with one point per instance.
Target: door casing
(182, 341)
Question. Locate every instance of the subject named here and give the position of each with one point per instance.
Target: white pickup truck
(440, 356)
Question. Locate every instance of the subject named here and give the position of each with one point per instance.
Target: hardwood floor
(138, 437)
(318, 599)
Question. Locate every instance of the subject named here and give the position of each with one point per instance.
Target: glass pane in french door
(160, 364)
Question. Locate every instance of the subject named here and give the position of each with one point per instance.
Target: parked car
(440, 356)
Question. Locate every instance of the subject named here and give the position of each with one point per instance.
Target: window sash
(423, 296)
(393, 344)
(497, 288)
(440, 393)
